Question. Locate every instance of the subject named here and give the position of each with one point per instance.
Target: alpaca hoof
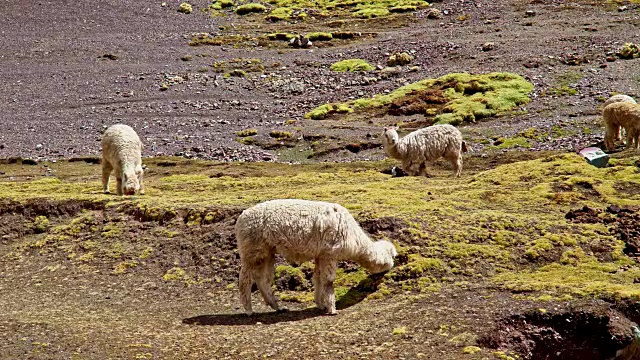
(282, 310)
(332, 313)
(107, 192)
(248, 313)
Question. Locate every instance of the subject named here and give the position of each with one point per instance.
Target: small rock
(530, 13)
(434, 14)
(622, 8)
(39, 147)
(488, 46)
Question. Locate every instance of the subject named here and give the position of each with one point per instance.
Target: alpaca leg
(118, 185)
(323, 277)
(422, 170)
(629, 139)
(140, 178)
(455, 158)
(263, 275)
(609, 136)
(244, 286)
(636, 137)
(106, 173)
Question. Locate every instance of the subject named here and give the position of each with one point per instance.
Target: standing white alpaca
(621, 114)
(300, 231)
(121, 152)
(615, 99)
(426, 145)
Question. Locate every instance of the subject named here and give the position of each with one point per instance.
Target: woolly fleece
(121, 153)
(300, 231)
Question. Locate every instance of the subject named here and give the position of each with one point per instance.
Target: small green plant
(320, 36)
(371, 12)
(563, 90)
(175, 274)
(40, 224)
(248, 140)
(222, 4)
(629, 51)
(185, 8)
(352, 65)
(399, 331)
(280, 134)
(250, 8)
(471, 350)
(247, 132)
(399, 59)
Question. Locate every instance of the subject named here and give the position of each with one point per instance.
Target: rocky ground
(89, 277)
(70, 72)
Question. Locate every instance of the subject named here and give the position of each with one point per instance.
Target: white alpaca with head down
(300, 231)
(621, 114)
(425, 145)
(122, 153)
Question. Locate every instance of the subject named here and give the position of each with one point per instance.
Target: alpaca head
(383, 257)
(390, 137)
(130, 183)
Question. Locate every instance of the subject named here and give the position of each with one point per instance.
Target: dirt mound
(48, 207)
(622, 221)
(424, 102)
(593, 334)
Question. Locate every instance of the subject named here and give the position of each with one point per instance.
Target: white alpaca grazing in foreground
(300, 231)
(425, 145)
(121, 152)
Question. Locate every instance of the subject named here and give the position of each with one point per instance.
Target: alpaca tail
(464, 147)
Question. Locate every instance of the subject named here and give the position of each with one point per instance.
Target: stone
(595, 156)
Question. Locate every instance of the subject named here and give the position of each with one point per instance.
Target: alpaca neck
(364, 252)
(392, 150)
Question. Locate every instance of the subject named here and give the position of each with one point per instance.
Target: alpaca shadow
(359, 292)
(264, 318)
(353, 296)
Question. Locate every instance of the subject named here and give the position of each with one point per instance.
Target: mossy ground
(501, 227)
(453, 99)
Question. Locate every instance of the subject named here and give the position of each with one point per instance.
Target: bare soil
(68, 70)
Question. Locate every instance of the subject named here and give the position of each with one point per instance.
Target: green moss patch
(185, 8)
(453, 98)
(352, 65)
(320, 36)
(250, 8)
(279, 14)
